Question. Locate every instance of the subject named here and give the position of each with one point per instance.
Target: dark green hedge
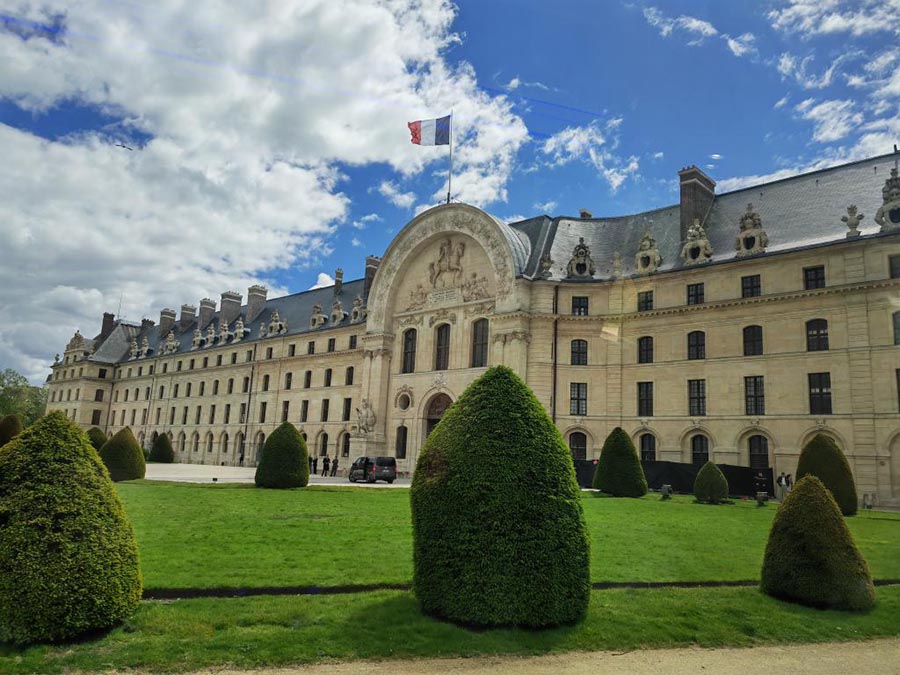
(10, 427)
(822, 458)
(284, 462)
(67, 550)
(96, 437)
(811, 557)
(123, 456)
(498, 532)
(710, 485)
(619, 472)
(162, 450)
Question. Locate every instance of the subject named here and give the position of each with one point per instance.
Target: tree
(67, 550)
(162, 450)
(96, 437)
(10, 427)
(123, 456)
(822, 458)
(619, 472)
(811, 557)
(710, 485)
(498, 532)
(284, 462)
(19, 397)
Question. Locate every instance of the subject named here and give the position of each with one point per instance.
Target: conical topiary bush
(96, 437)
(67, 550)
(10, 427)
(499, 536)
(619, 472)
(284, 462)
(811, 557)
(123, 456)
(822, 458)
(710, 485)
(162, 450)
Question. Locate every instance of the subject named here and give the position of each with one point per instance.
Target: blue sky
(270, 144)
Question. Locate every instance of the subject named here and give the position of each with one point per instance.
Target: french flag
(430, 132)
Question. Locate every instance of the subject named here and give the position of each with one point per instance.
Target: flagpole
(450, 175)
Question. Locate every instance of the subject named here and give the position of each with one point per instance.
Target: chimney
(166, 322)
(697, 194)
(188, 314)
(338, 281)
(256, 300)
(146, 325)
(586, 214)
(109, 322)
(207, 311)
(372, 263)
(230, 306)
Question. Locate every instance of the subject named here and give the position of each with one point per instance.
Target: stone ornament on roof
(223, 332)
(133, 349)
(318, 318)
(888, 214)
(358, 313)
(276, 325)
(617, 265)
(145, 347)
(171, 344)
(197, 340)
(337, 312)
(853, 219)
(647, 260)
(238, 330)
(752, 239)
(697, 249)
(210, 335)
(77, 341)
(546, 263)
(581, 265)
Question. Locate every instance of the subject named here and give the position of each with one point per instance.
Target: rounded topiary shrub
(822, 458)
(811, 557)
(284, 462)
(162, 450)
(619, 472)
(10, 427)
(67, 550)
(123, 456)
(499, 536)
(710, 485)
(96, 437)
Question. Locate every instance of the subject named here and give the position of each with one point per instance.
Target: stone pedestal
(369, 445)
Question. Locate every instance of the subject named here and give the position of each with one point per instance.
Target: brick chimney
(256, 301)
(697, 194)
(207, 311)
(188, 314)
(146, 325)
(166, 322)
(230, 306)
(109, 322)
(338, 281)
(372, 263)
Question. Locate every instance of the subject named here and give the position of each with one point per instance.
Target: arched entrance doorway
(435, 410)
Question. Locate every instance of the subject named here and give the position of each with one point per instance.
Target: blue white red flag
(430, 132)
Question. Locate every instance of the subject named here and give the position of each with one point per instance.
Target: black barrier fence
(742, 480)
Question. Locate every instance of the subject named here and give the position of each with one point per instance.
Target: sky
(152, 154)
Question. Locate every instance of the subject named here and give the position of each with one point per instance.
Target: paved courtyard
(204, 473)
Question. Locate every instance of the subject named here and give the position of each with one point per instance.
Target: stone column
(375, 385)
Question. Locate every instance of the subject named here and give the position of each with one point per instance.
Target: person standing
(334, 466)
(788, 483)
(310, 465)
(315, 466)
(782, 486)
(325, 463)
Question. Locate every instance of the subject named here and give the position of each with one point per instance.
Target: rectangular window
(285, 410)
(230, 385)
(212, 414)
(198, 415)
(442, 347)
(98, 395)
(893, 267)
(102, 372)
(579, 306)
(268, 352)
(262, 412)
(178, 367)
(143, 416)
(233, 358)
(205, 361)
(400, 447)
(165, 368)
(307, 379)
(288, 380)
(814, 277)
(645, 301)
(215, 387)
(172, 415)
(187, 389)
(304, 410)
(249, 356)
(202, 388)
(579, 352)
(95, 417)
(140, 371)
(292, 350)
(645, 399)
(753, 340)
(162, 392)
(645, 349)
(227, 418)
(696, 397)
(219, 360)
(348, 403)
(754, 395)
(751, 287)
(311, 347)
(246, 386)
(695, 294)
(352, 342)
(243, 417)
(819, 393)
(184, 414)
(156, 417)
(328, 377)
(578, 398)
(191, 366)
(325, 404)
(330, 344)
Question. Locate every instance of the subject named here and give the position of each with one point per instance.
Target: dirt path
(874, 657)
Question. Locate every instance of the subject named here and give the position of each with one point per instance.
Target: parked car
(371, 469)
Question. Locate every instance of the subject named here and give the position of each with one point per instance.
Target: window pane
(442, 347)
(759, 452)
(753, 340)
(409, 351)
(479, 343)
(817, 335)
(578, 445)
(648, 447)
(700, 450)
(579, 352)
(578, 398)
(580, 306)
(645, 349)
(697, 345)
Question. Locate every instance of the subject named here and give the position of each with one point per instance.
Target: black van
(371, 469)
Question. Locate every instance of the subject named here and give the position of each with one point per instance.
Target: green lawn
(213, 536)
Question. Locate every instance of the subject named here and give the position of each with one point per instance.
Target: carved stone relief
(482, 309)
(696, 249)
(410, 399)
(238, 330)
(888, 214)
(446, 271)
(647, 260)
(440, 316)
(366, 417)
(210, 336)
(337, 312)
(411, 321)
(358, 313)
(581, 265)
(546, 265)
(318, 318)
(197, 340)
(752, 239)
(276, 325)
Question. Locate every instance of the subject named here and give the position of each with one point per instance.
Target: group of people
(783, 485)
(329, 466)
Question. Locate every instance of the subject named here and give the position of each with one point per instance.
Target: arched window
(195, 442)
(209, 442)
(759, 452)
(479, 343)
(224, 443)
(700, 449)
(897, 328)
(753, 340)
(817, 335)
(442, 347)
(265, 386)
(182, 442)
(348, 378)
(579, 352)
(408, 364)
(239, 444)
(648, 447)
(323, 445)
(345, 446)
(696, 343)
(578, 445)
(400, 447)
(645, 349)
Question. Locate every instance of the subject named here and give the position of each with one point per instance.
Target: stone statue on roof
(318, 318)
(133, 349)
(888, 214)
(647, 259)
(853, 219)
(581, 264)
(752, 238)
(210, 335)
(145, 346)
(358, 313)
(238, 330)
(696, 249)
(197, 340)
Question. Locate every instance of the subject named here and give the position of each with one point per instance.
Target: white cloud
(833, 120)
(697, 30)
(513, 84)
(361, 223)
(356, 241)
(783, 101)
(249, 114)
(742, 44)
(545, 207)
(810, 18)
(595, 146)
(715, 155)
(323, 281)
(393, 194)
(799, 69)
(659, 155)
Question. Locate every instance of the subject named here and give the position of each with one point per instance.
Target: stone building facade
(731, 327)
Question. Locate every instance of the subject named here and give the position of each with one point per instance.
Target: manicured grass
(272, 631)
(237, 535)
